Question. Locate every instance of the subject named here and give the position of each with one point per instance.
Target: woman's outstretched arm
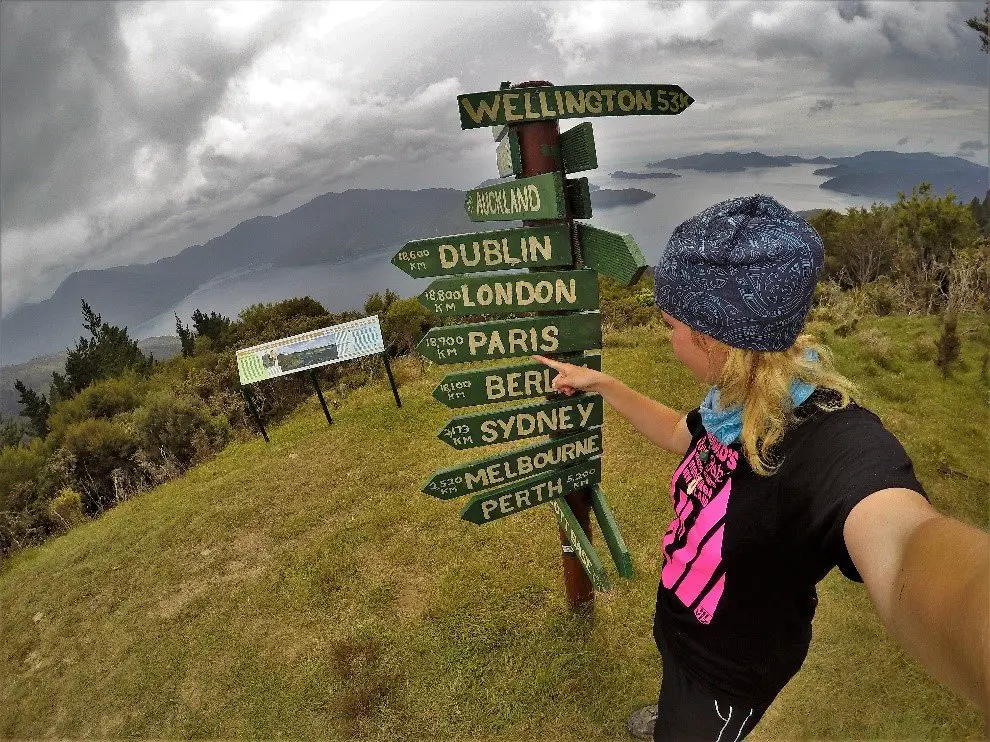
(661, 425)
(929, 577)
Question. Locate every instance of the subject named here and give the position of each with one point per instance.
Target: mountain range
(338, 227)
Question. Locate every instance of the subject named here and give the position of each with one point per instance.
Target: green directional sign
(582, 546)
(512, 294)
(523, 105)
(579, 198)
(507, 338)
(528, 493)
(503, 383)
(535, 197)
(497, 250)
(456, 481)
(508, 156)
(610, 530)
(577, 148)
(564, 415)
(613, 253)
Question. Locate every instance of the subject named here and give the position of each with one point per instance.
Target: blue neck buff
(726, 425)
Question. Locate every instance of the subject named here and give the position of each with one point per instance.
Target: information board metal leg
(254, 412)
(319, 393)
(391, 381)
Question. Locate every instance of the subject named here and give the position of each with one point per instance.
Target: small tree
(186, 337)
(213, 326)
(35, 408)
(107, 352)
(981, 27)
(12, 433)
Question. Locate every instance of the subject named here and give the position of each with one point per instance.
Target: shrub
(178, 426)
(67, 508)
(18, 465)
(104, 465)
(103, 399)
(947, 346)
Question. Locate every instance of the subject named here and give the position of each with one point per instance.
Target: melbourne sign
(502, 249)
(456, 481)
(514, 423)
(524, 105)
(519, 292)
(528, 493)
(536, 197)
(503, 383)
(512, 337)
(345, 342)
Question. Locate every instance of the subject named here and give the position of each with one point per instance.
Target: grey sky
(130, 131)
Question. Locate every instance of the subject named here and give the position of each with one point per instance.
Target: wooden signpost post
(563, 258)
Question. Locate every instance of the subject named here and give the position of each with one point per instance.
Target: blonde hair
(760, 381)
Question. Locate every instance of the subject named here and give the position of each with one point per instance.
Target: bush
(67, 508)
(104, 468)
(103, 399)
(178, 426)
(18, 465)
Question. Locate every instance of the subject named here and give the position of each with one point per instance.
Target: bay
(346, 285)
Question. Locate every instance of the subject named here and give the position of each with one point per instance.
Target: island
(624, 175)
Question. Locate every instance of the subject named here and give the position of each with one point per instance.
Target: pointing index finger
(557, 365)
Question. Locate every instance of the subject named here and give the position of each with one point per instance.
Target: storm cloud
(129, 131)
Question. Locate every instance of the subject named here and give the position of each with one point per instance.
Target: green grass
(307, 589)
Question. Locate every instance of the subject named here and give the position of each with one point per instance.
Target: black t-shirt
(743, 554)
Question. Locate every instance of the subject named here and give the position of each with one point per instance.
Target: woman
(783, 478)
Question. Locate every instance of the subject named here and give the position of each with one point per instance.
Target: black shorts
(687, 712)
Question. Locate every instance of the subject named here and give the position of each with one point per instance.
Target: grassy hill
(307, 589)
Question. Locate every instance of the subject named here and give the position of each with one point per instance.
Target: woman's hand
(571, 378)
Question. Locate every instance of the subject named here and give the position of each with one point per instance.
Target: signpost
(514, 498)
(502, 249)
(502, 383)
(514, 293)
(549, 103)
(456, 481)
(562, 258)
(536, 197)
(309, 351)
(561, 416)
(512, 337)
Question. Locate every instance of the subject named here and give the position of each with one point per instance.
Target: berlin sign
(500, 249)
(523, 105)
(564, 415)
(503, 383)
(581, 545)
(535, 197)
(512, 294)
(528, 493)
(506, 338)
(455, 481)
(615, 254)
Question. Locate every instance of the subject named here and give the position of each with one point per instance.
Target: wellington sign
(548, 304)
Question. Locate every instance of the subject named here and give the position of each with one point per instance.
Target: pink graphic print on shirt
(692, 545)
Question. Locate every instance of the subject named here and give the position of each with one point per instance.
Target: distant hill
(623, 175)
(608, 198)
(37, 373)
(733, 162)
(331, 228)
(882, 174)
(877, 174)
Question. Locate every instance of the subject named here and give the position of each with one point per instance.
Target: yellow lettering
(544, 111)
(644, 100)
(484, 295)
(609, 95)
(574, 105)
(527, 107)
(476, 340)
(484, 109)
(595, 107)
(536, 247)
(495, 344)
(503, 293)
(508, 103)
(627, 101)
(448, 256)
(494, 388)
(565, 294)
(550, 340)
(517, 339)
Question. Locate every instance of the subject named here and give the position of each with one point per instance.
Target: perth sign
(551, 301)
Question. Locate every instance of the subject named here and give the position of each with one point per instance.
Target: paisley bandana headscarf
(743, 272)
